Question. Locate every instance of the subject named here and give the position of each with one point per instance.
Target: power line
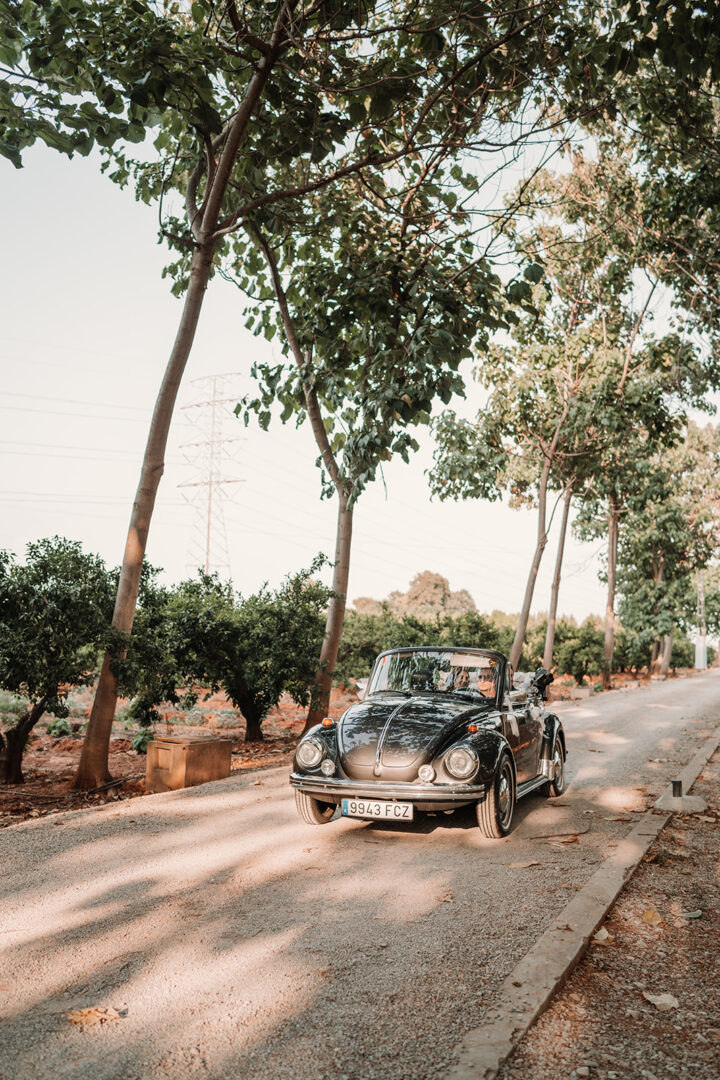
(84, 416)
(73, 401)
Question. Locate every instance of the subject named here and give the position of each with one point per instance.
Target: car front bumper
(338, 787)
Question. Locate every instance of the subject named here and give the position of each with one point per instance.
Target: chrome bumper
(334, 785)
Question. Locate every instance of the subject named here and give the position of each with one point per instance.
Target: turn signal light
(472, 728)
(328, 721)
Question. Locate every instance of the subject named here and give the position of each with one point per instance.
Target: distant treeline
(578, 648)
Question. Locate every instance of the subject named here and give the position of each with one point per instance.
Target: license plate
(370, 808)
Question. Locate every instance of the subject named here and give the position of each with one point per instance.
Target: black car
(438, 728)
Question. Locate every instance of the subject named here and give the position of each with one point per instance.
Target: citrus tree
(54, 613)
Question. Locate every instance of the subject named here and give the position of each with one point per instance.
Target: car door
(524, 727)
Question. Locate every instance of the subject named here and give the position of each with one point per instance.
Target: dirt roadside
(49, 763)
(645, 1001)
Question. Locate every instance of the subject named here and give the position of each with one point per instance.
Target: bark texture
(666, 652)
(335, 617)
(555, 590)
(13, 747)
(609, 646)
(250, 711)
(540, 545)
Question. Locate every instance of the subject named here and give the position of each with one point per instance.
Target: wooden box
(180, 761)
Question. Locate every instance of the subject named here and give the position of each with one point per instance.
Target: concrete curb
(530, 987)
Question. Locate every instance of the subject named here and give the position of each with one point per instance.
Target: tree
(243, 99)
(580, 385)
(580, 651)
(375, 330)
(367, 635)
(378, 296)
(254, 648)
(54, 612)
(671, 535)
(663, 111)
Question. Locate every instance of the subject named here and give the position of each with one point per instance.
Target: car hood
(406, 731)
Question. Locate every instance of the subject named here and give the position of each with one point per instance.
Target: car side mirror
(541, 680)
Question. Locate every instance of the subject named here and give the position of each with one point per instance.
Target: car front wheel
(312, 810)
(495, 812)
(556, 785)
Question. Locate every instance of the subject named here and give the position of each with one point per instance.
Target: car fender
(327, 736)
(489, 746)
(552, 728)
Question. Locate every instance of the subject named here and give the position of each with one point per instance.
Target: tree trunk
(253, 717)
(16, 739)
(203, 221)
(552, 614)
(93, 768)
(654, 655)
(519, 640)
(666, 653)
(335, 616)
(610, 605)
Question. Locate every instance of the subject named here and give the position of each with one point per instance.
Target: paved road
(237, 942)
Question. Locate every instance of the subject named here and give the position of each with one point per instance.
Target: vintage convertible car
(438, 728)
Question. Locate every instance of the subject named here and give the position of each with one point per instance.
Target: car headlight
(461, 762)
(328, 767)
(426, 774)
(309, 753)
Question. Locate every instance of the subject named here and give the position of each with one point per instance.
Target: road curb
(530, 987)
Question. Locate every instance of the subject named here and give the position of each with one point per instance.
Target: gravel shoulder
(231, 939)
(659, 941)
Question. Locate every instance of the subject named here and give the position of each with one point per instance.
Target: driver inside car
(486, 682)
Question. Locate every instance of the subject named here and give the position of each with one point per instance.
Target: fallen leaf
(258, 783)
(569, 840)
(601, 936)
(690, 915)
(524, 865)
(557, 835)
(652, 917)
(516, 983)
(446, 897)
(703, 817)
(559, 803)
(640, 789)
(94, 1015)
(618, 819)
(662, 1002)
(593, 750)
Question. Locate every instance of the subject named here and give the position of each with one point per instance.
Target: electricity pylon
(209, 455)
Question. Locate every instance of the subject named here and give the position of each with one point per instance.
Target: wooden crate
(180, 761)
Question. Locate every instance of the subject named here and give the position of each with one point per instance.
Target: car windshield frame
(393, 670)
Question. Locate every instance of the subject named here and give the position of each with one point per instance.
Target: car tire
(556, 786)
(495, 812)
(312, 810)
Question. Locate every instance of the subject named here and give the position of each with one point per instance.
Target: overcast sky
(86, 329)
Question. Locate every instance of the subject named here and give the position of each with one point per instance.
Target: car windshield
(445, 671)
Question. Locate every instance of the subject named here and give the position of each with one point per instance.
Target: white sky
(86, 328)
